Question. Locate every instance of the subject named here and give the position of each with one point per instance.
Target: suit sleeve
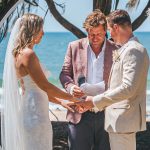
(134, 63)
(66, 75)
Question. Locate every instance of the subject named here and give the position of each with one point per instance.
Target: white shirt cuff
(71, 89)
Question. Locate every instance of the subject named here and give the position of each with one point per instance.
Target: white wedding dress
(35, 114)
(25, 123)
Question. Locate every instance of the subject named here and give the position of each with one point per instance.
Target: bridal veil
(11, 103)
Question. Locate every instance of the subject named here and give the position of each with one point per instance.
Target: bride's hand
(74, 99)
(77, 108)
(63, 103)
(67, 105)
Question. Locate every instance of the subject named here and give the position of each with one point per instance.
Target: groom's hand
(87, 104)
(83, 106)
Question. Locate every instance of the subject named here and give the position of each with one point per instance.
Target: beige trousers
(122, 141)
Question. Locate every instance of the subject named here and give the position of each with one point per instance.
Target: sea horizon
(52, 49)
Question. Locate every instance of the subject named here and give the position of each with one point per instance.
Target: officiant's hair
(30, 26)
(120, 17)
(95, 19)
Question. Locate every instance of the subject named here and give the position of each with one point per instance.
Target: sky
(77, 10)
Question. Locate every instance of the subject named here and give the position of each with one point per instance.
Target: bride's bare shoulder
(28, 55)
(27, 52)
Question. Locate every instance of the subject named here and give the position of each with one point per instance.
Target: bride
(25, 119)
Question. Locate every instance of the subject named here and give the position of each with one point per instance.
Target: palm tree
(104, 5)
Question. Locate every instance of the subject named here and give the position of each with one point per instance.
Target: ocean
(52, 49)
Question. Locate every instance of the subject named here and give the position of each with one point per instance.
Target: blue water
(51, 52)
(52, 49)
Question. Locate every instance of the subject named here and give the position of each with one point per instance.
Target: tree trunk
(7, 6)
(103, 5)
(65, 23)
(141, 18)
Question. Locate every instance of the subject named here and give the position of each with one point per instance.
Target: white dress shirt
(95, 84)
(95, 65)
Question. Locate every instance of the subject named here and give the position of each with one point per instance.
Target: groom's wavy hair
(30, 27)
(119, 17)
(94, 19)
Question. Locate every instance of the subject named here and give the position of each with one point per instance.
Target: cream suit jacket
(125, 99)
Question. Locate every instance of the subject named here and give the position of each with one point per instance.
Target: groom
(125, 100)
(88, 60)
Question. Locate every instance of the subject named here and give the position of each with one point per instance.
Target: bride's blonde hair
(30, 27)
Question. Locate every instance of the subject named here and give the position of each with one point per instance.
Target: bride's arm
(31, 63)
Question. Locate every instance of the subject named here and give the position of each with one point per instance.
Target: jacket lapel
(107, 62)
(110, 75)
(83, 56)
